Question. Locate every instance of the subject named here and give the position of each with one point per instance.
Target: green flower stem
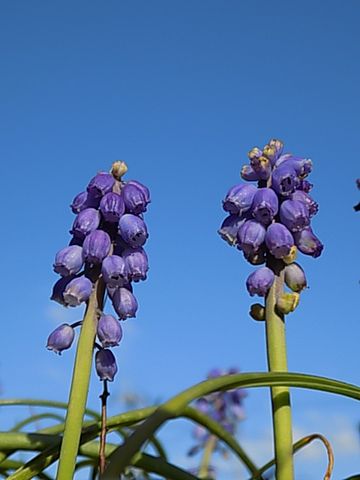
(205, 461)
(280, 396)
(80, 385)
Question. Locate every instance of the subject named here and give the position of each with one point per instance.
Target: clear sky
(181, 90)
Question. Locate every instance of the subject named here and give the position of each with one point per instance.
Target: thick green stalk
(80, 386)
(277, 362)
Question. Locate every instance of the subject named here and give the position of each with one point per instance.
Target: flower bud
(230, 227)
(105, 364)
(112, 207)
(257, 312)
(294, 215)
(124, 303)
(239, 198)
(96, 247)
(68, 261)
(118, 169)
(61, 338)
(86, 221)
(262, 166)
(143, 188)
(84, 200)
(132, 230)
(136, 264)
(265, 205)
(77, 291)
(273, 150)
(295, 277)
(284, 180)
(287, 302)
(305, 198)
(114, 271)
(59, 288)
(279, 240)
(308, 243)
(109, 331)
(291, 257)
(134, 199)
(102, 183)
(248, 173)
(260, 281)
(251, 236)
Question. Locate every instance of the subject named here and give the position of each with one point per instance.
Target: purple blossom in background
(357, 207)
(108, 234)
(225, 408)
(281, 212)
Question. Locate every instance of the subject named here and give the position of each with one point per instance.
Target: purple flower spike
(59, 289)
(114, 271)
(84, 200)
(294, 215)
(141, 187)
(96, 247)
(260, 281)
(265, 205)
(112, 207)
(251, 236)
(308, 243)
(134, 199)
(239, 198)
(295, 277)
(105, 364)
(248, 173)
(124, 303)
(102, 183)
(305, 198)
(68, 261)
(279, 240)
(86, 221)
(109, 331)
(284, 180)
(61, 338)
(230, 227)
(132, 230)
(136, 264)
(77, 291)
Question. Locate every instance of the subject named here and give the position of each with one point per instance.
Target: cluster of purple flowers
(271, 220)
(225, 408)
(108, 235)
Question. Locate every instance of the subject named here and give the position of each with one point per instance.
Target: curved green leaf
(11, 402)
(172, 408)
(35, 418)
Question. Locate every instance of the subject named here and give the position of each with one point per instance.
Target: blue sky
(181, 91)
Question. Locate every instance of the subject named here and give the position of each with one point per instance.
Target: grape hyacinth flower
(68, 261)
(105, 364)
(109, 331)
(109, 232)
(277, 222)
(61, 338)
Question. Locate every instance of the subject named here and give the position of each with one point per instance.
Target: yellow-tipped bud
(257, 312)
(287, 302)
(255, 153)
(118, 169)
(291, 257)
